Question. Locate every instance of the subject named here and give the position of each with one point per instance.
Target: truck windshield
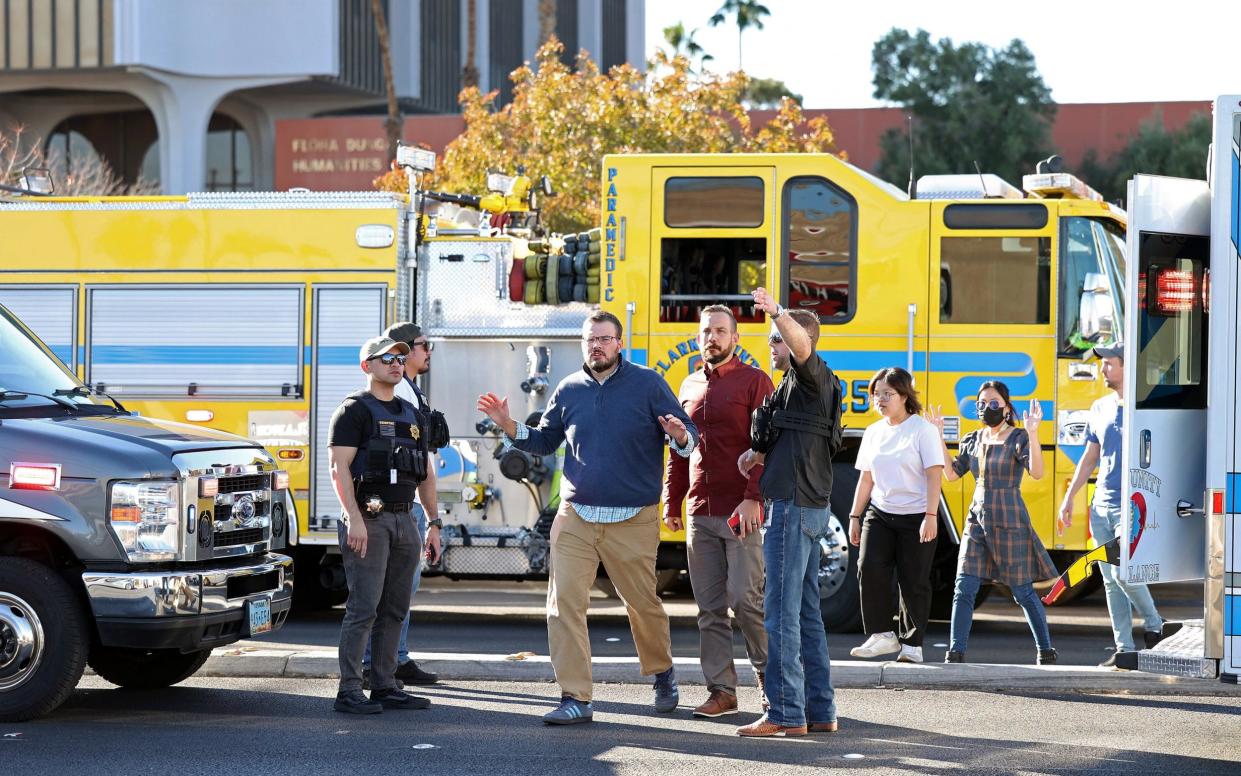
(1092, 279)
(31, 376)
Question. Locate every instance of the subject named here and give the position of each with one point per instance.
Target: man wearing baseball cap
(378, 456)
(417, 362)
(1104, 443)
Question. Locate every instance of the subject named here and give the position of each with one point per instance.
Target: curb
(846, 674)
(439, 614)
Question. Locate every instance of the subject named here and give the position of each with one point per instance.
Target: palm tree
(392, 124)
(748, 13)
(547, 20)
(469, 73)
(683, 43)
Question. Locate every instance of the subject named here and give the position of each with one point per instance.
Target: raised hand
(1033, 417)
(935, 416)
(763, 300)
(674, 428)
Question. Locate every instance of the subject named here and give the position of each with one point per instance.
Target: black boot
(1047, 656)
(410, 673)
(954, 657)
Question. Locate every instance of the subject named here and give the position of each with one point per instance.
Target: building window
(821, 248)
(614, 35)
(995, 280)
(229, 166)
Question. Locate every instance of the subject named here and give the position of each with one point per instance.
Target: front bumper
(188, 610)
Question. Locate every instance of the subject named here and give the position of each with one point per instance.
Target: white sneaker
(878, 644)
(909, 654)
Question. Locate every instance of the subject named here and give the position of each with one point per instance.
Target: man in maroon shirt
(725, 568)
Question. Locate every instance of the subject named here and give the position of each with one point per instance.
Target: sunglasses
(388, 359)
(994, 404)
(430, 346)
(775, 339)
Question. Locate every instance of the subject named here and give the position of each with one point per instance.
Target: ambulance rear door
(1166, 380)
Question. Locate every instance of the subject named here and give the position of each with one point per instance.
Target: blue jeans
(798, 676)
(1122, 596)
(966, 592)
(402, 654)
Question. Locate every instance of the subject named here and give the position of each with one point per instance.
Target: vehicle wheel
(839, 599)
(43, 640)
(145, 669)
(941, 600)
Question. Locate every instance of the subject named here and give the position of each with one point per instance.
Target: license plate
(259, 610)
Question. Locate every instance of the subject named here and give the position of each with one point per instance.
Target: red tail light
(1175, 291)
(1217, 502)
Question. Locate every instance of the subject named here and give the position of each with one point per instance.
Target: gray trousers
(379, 593)
(726, 573)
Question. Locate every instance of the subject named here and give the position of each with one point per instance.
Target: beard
(601, 363)
(720, 356)
(780, 363)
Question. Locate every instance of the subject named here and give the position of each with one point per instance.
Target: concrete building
(187, 93)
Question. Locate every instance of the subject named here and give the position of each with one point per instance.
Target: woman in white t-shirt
(901, 461)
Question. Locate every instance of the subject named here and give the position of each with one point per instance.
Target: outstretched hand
(495, 408)
(674, 428)
(935, 416)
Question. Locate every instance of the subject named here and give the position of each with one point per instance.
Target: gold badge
(415, 431)
(374, 504)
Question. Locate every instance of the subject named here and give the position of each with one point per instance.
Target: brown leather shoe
(719, 704)
(823, 727)
(765, 728)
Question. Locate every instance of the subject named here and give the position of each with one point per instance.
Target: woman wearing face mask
(901, 459)
(998, 542)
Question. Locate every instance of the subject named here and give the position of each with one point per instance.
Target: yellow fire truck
(969, 280)
(243, 312)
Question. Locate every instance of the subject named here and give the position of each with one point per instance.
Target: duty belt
(373, 506)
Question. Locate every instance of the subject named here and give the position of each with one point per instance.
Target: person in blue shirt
(613, 418)
(1104, 443)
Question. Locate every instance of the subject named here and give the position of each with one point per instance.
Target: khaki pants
(627, 551)
(727, 573)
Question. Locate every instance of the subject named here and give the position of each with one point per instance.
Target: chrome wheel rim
(833, 558)
(21, 641)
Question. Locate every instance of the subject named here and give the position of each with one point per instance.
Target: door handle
(1144, 449)
(1186, 509)
(909, 353)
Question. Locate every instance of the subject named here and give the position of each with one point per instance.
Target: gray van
(128, 544)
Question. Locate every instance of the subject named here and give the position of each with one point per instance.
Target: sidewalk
(445, 600)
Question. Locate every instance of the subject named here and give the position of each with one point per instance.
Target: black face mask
(993, 417)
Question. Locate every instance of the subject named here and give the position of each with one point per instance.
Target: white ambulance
(1182, 458)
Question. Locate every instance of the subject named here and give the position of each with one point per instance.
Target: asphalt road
(286, 726)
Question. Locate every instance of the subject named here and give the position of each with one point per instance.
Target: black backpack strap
(802, 421)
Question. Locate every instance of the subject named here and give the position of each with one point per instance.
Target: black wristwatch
(436, 523)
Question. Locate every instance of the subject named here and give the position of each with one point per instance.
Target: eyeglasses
(606, 339)
(430, 346)
(775, 339)
(994, 404)
(388, 359)
(884, 396)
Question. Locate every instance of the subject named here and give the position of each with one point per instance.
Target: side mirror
(1096, 314)
(545, 183)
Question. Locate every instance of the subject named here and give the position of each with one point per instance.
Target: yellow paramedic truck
(238, 312)
(968, 280)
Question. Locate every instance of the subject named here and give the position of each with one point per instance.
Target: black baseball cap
(404, 331)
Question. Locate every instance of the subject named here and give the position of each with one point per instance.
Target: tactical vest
(397, 443)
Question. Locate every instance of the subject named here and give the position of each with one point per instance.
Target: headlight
(144, 518)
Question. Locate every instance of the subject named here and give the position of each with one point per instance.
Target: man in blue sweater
(613, 418)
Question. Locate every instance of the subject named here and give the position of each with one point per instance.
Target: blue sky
(1086, 52)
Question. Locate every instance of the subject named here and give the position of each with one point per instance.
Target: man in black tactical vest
(378, 453)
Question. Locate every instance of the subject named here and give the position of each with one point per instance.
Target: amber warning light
(34, 476)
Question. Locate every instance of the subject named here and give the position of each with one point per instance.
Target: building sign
(348, 153)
